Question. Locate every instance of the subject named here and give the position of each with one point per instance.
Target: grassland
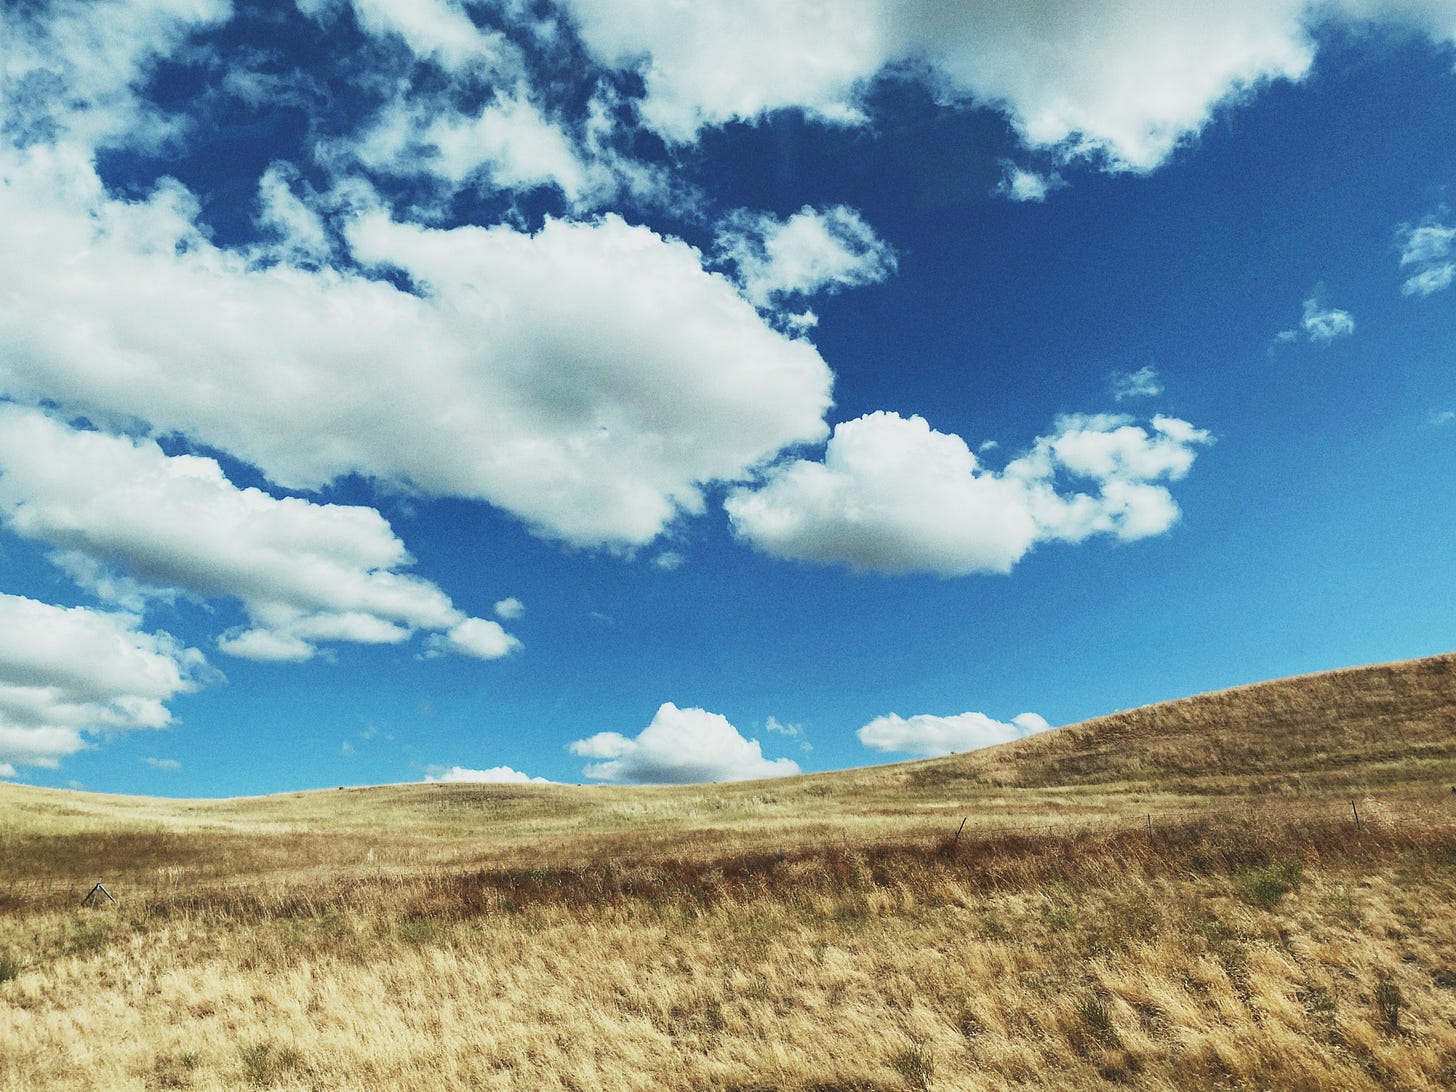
(1175, 897)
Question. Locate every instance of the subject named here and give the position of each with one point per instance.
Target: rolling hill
(1173, 897)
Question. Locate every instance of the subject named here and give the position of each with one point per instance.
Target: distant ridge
(1308, 732)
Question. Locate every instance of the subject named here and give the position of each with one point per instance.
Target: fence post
(956, 840)
(1357, 815)
(1150, 828)
(91, 898)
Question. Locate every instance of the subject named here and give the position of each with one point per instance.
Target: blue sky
(600, 390)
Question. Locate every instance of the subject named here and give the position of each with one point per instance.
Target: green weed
(915, 1063)
(1266, 887)
(265, 1063)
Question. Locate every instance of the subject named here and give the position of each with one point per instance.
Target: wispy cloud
(1023, 184)
(1319, 324)
(813, 251)
(1428, 255)
(1143, 383)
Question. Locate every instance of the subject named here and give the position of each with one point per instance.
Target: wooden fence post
(956, 840)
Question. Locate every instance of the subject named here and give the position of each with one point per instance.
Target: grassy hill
(1337, 731)
(1169, 897)
(1388, 728)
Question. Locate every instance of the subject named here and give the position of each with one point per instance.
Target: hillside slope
(1388, 729)
(1122, 901)
(1361, 726)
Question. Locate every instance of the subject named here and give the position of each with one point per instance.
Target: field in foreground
(1176, 897)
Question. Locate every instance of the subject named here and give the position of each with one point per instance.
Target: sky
(603, 391)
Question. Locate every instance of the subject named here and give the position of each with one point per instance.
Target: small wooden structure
(93, 898)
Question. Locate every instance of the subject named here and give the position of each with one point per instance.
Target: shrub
(416, 930)
(265, 1063)
(1060, 919)
(915, 1063)
(1095, 1014)
(175, 1071)
(9, 967)
(1267, 886)
(90, 936)
(1390, 1001)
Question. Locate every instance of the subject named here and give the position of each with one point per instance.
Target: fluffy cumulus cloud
(1428, 257)
(590, 378)
(69, 672)
(1319, 324)
(680, 746)
(1124, 81)
(478, 637)
(509, 609)
(893, 495)
(305, 573)
(814, 250)
(928, 736)
(496, 775)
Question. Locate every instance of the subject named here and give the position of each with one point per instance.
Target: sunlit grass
(827, 932)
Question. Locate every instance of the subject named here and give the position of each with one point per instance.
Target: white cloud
(1022, 184)
(929, 736)
(1326, 324)
(496, 775)
(1320, 324)
(591, 378)
(680, 746)
(1143, 383)
(707, 64)
(478, 637)
(305, 573)
(892, 495)
(163, 763)
(67, 672)
(793, 731)
(300, 230)
(438, 30)
(70, 68)
(1441, 418)
(1428, 253)
(508, 610)
(814, 250)
(508, 143)
(1125, 80)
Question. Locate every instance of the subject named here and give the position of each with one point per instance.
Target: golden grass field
(1176, 897)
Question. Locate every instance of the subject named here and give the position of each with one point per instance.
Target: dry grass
(827, 932)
